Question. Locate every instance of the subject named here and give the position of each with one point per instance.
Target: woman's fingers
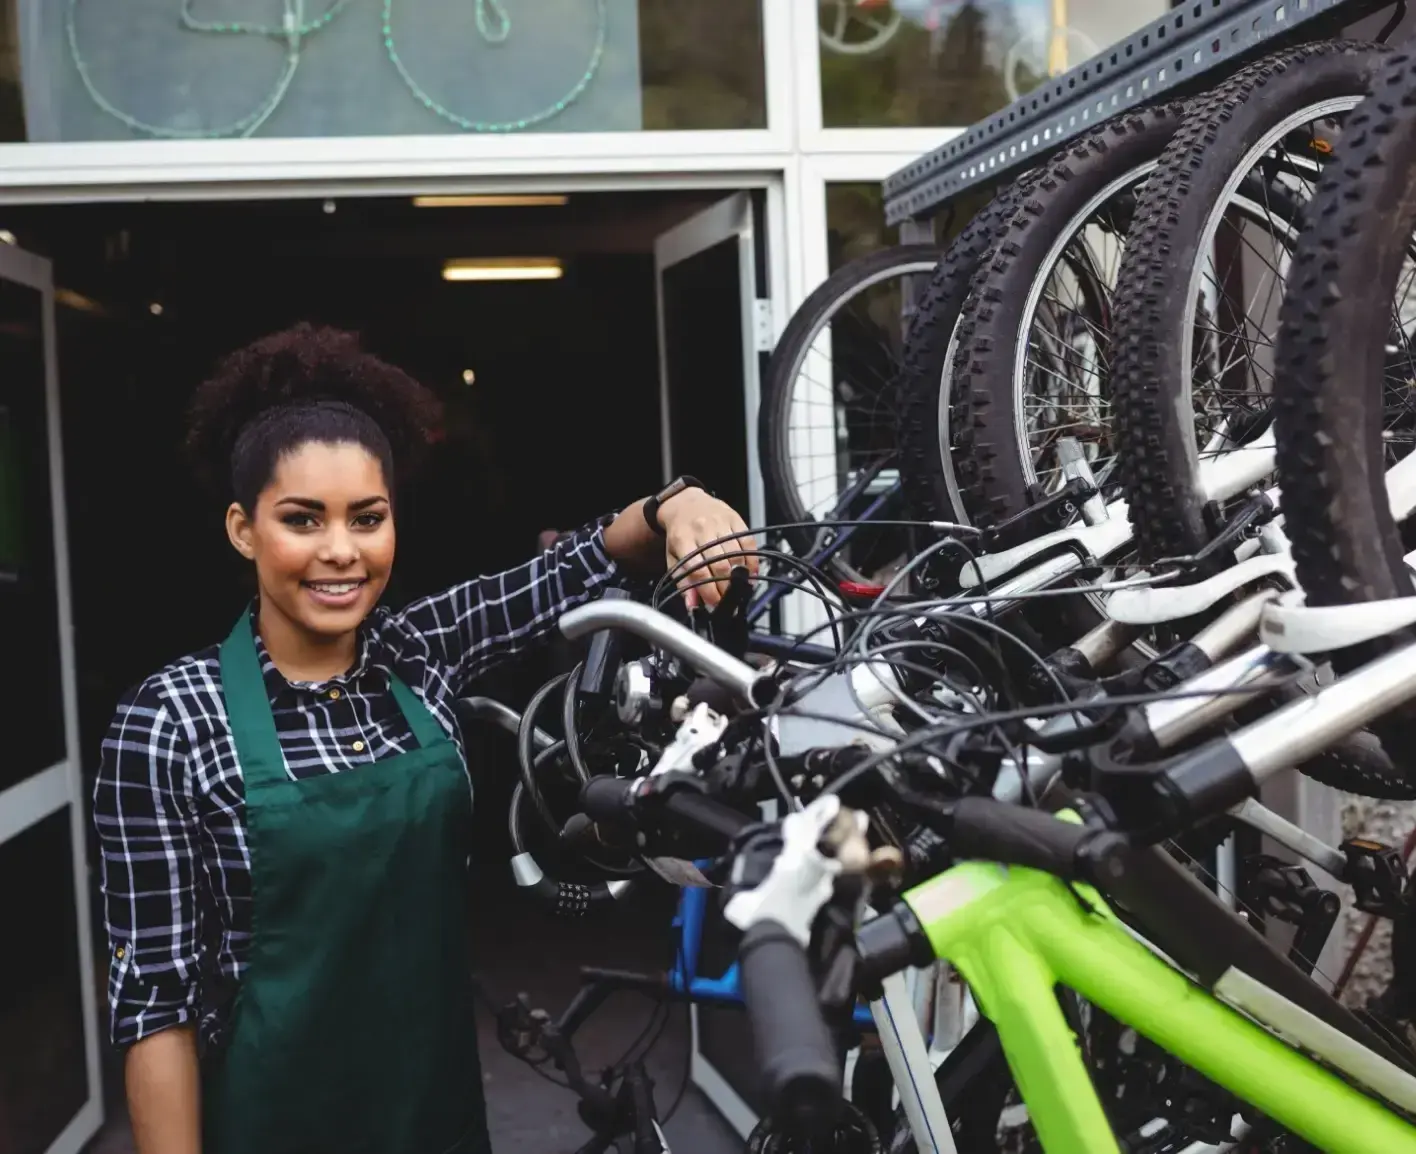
(745, 545)
(702, 559)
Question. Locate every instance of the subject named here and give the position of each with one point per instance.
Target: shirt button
(358, 747)
(334, 695)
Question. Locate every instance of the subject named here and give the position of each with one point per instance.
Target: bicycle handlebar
(795, 1052)
(751, 685)
(612, 801)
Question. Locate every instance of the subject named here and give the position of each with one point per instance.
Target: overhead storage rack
(1190, 48)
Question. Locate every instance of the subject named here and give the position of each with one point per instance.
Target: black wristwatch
(672, 489)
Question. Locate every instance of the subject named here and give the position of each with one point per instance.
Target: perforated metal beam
(1191, 46)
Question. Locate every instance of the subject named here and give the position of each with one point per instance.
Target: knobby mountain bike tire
(1335, 324)
(926, 467)
(1157, 453)
(783, 492)
(1153, 409)
(993, 459)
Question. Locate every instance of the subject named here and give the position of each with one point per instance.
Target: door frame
(46, 792)
(731, 218)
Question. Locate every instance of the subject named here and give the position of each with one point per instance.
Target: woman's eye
(299, 520)
(369, 520)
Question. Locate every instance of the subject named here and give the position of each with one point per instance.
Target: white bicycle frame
(911, 1061)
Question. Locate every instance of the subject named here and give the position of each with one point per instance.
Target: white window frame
(50, 790)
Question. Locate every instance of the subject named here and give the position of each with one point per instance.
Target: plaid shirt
(169, 800)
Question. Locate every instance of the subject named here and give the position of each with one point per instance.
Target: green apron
(353, 1030)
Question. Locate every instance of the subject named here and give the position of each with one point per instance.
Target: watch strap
(672, 489)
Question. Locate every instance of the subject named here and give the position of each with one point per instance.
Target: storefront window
(949, 63)
(217, 69)
(855, 222)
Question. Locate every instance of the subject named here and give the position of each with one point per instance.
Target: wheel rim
(819, 369)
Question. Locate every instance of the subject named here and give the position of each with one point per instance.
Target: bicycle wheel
(926, 461)
(1033, 337)
(1254, 145)
(1335, 356)
(826, 426)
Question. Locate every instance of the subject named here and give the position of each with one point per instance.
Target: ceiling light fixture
(495, 200)
(503, 268)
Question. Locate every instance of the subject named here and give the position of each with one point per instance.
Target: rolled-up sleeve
(474, 625)
(147, 825)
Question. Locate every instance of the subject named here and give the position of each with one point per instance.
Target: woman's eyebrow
(318, 506)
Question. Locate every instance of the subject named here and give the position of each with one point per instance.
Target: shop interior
(551, 387)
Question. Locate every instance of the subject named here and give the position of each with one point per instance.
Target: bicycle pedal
(1377, 875)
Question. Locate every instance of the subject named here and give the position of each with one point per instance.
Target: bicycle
(1168, 728)
(1027, 840)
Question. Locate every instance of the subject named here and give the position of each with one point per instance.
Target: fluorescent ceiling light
(76, 300)
(509, 200)
(503, 268)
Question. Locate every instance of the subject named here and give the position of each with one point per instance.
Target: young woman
(284, 816)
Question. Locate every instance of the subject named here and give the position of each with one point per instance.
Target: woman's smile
(336, 594)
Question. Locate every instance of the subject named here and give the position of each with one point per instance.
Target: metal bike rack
(1193, 47)
(1190, 48)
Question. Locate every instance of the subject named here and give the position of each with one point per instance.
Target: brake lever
(727, 624)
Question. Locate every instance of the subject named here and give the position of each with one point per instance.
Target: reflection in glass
(855, 222)
(32, 706)
(920, 63)
(43, 1074)
(703, 355)
(166, 69)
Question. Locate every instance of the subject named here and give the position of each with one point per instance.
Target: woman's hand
(692, 522)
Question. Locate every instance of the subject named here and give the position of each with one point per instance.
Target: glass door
(50, 1092)
(713, 330)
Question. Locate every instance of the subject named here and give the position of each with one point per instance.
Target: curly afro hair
(308, 383)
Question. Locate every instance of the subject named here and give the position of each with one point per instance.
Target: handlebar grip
(705, 814)
(1015, 835)
(611, 800)
(797, 1056)
(606, 798)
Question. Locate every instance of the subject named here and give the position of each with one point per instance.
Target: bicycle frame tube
(684, 978)
(776, 591)
(1015, 933)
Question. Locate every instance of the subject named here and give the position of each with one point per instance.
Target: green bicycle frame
(1015, 933)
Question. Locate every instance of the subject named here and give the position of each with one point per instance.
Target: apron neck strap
(424, 726)
(248, 707)
(253, 724)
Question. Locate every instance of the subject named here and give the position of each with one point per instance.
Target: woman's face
(321, 537)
